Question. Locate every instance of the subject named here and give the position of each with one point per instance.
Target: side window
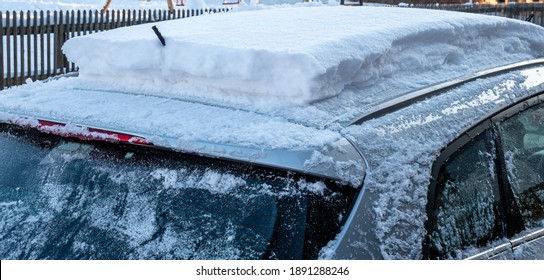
(522, 140)
(467, 206)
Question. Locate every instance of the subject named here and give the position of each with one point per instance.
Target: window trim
(511, 245)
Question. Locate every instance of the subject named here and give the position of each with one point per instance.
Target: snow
(292, 78)
(302, 57)
(161, 116)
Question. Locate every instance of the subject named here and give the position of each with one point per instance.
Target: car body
(357, 138)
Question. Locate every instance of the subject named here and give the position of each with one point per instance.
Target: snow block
(300, 55)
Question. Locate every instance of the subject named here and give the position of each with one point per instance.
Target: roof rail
(410, 98)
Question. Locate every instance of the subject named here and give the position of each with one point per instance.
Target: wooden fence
(32, 41)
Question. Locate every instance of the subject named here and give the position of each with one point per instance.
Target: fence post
(32, 45)
(135, 17)
(102, 25)
(62, 39)
(118, 19)
(111, 19)
(15, 49)
(42, 45)
(48, 31)
(123, 18)
(84, 23)
(28, 54)
(55, 42)
(22, 43)
(130, 17)
(62, 36)
(108, 20)
(70, 31)
(35, 44)
(2, 50)
(96, 26)
(58, 38)
(7, 82)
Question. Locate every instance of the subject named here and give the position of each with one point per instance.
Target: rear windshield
(68, 199)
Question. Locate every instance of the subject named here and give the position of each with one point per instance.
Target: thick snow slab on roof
(300, 55)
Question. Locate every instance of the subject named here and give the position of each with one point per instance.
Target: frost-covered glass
(523, 145)
(62, 199)
(467, 212)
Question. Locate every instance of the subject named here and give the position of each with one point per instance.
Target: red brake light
(85, 133)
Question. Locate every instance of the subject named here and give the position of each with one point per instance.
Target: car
(302, 133)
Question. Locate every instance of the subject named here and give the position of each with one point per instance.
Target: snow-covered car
(292, 133)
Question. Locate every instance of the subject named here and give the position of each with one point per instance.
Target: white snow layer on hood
(299, 55)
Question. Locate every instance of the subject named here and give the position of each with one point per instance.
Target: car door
(486, 198)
